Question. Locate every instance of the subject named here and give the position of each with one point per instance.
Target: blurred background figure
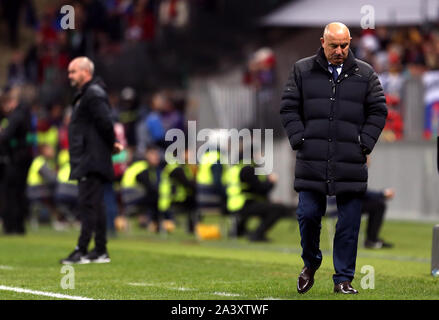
(162, 117)
(41, 181)
(120, 164)
(177, 194)
(374, 204)
(66, 192)
(221, 63)
(16, 126)
(139, 188)
(149, 178)
(248, 196)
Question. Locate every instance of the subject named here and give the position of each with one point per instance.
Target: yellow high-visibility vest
(130, 174)
(49, 137)
(64, 174)
(170, 192)
(236, 189)
(63, 157)
(165, 187)
(204, 174)
(34, 177)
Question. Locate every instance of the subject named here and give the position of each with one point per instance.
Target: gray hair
(340, 25)
(85, 63)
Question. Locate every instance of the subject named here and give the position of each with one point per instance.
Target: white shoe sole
(101, 260)
(82, 261)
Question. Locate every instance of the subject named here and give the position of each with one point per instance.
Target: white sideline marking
(172, 287)
(6, 268)
(164, 285)
(43, 293)
(145, 284)
(226, 294)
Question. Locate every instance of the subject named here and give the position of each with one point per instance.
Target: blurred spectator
(174, 13)
(163, 116)
(127, 113)
(41, 182)
(260, 69)
(11, 13)
(431, 101)
(13, 137)
(16, 70)
(141, 24)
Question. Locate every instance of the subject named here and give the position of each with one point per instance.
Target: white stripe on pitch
(43, 293)
(6, 268)
(226, 294)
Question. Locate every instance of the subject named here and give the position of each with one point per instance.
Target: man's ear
(322, 41)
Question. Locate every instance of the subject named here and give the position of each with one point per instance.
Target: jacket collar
(347, 64)
(80, 92)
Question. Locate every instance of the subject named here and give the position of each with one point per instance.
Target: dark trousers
(16, 204)
(92, 212)
(311, 208)
(375, 208)
(188, 208)
(268, 212)
(110, 206)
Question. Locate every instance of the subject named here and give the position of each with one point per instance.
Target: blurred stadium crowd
(398, 54)
(144, 110)
(37, 77)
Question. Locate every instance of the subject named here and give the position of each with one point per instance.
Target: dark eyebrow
(341, 45)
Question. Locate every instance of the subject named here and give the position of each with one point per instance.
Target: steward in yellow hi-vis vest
(210, 181)
(139, 188)
(41, 177)
(66, 192)
(247, 196)
(50, 137)
(177, 192)
(41, 183)
(133, 191)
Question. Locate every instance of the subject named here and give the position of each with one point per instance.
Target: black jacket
(332, 124)
(91, 133)
(13, 138)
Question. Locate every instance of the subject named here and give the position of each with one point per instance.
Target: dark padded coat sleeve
(100, 111)
(376, 114)
(290, 110)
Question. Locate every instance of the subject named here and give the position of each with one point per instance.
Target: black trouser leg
(376, 210)
(8, 213)
(241, 220)
(269, 214)
(15, 196)
(92, 213)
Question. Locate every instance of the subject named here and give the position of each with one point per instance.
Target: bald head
(335, 42)
(80, 71)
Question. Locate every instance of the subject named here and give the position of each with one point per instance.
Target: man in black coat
(16, 159)
(333, 110)
(91, 144)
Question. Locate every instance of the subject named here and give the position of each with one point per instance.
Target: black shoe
(379, 244)
(76, 257)
(96, 256)
(385, 244)
(305, 281)
(344, 288)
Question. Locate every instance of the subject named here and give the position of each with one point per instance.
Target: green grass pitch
(177, 266)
